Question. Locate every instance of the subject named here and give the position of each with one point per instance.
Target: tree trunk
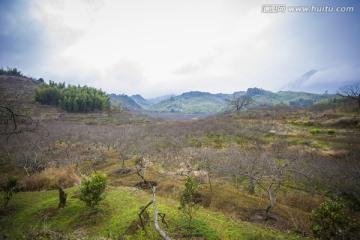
(142, 177)
(251, 186)
(146, 215)
(272, 202)
(209, 181)
(123, 163)
(161, 232)
(62, 197)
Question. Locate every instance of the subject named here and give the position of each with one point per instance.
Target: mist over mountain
(321, 81)
(295, 85)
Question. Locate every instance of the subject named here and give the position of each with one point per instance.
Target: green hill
(268, 98)
(205, 103)
(124, 101)
(141, 101)
(192, 102)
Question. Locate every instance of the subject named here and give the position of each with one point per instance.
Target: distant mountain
(193, 102)
(141, 101)
(287, 97)
(161, 98)
(124, 101)
(196, 102)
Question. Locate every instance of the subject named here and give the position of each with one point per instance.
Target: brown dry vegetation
(277, 143)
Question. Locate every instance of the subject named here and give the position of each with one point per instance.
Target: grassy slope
(33, 212)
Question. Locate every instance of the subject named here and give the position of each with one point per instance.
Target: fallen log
(161, 232)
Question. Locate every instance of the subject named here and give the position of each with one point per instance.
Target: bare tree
(239, 102)
(124, 144)
(209, 161)
(32, 157)
(141, 164)
(266, 167)
(14, 117)
(280, 161)
(69, 137)
(246, 163)
(106, 137)
(351, 92)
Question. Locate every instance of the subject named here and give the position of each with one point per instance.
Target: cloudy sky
(158, 47)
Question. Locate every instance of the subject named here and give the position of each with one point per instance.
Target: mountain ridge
(198, 102)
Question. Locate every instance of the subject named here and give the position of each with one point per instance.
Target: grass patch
(199, 229)
(36, 214)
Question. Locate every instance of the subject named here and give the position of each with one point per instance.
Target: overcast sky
(158, 47)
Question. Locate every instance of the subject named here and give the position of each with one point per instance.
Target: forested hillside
(72, 98)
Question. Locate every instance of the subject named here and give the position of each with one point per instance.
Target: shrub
(187, 199)
(328, 220)
(331, 131)
(9, 188)
(306, 123)
(92, 188)
(51, 178)
(200, 229)
(315, 131)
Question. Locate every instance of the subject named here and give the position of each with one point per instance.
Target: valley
(261, 171)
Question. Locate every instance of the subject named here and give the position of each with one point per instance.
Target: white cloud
(163, 38)
(160, 46)
(123, 77)
(338, 74)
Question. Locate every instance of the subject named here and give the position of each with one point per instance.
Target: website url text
(282, 8)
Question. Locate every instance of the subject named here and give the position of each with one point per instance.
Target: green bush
(328, 220)
(187, 200)
(307, 123)
(315, 131)
(200, 229)
(92, 188)
(9, 188)
(331, 131)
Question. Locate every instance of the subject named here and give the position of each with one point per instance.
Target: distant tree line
(301, 102)
(72, 98)
(255, 91)
(10, 72)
